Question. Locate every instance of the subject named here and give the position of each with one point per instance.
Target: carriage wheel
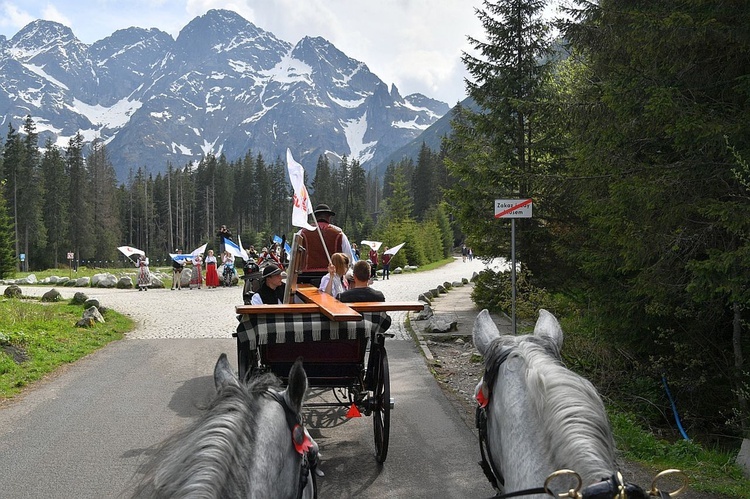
(381, 416)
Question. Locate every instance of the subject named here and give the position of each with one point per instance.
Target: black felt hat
(271, 270)
(323, 208)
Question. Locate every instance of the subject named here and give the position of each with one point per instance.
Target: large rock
(25, 281)
(425, 314)
(156, 282)
(187, 274)
(106, 281)
(125, 282)
(442, 323)
(94, 313)
(13, 291)
(79, 298)
(52, 295)
(83, 282)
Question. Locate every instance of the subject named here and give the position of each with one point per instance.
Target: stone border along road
(209, 313)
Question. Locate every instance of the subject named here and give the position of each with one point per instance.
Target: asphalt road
(87, 431)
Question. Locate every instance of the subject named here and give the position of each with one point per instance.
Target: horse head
(540, 416)
(250, 442)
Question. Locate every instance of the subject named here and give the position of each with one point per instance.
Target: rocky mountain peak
(223, 86)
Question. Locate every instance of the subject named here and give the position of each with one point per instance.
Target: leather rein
(302, 444)
(611, 488)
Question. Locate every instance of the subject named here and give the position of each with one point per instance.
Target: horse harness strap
(494, 360)
(302, 444)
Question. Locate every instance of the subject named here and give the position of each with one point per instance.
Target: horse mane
(575, 423)
(211, 457)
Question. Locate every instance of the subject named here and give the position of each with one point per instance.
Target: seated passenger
(334, 282)
(362, 290)
(271, 291)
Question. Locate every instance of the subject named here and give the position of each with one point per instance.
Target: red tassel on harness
(301, 440)
(482, 400)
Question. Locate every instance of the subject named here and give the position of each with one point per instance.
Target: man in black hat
(271, 291)
(336, 241)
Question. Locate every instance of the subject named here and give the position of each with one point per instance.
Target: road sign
(71, 256)
(513, 208)
(22, 256)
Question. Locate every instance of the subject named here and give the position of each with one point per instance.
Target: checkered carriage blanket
(263, 329)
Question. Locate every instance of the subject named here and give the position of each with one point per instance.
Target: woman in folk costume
(144, 276)
(212, 277)
(334, 282)
(197, 278)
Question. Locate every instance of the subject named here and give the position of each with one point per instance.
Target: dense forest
(631, 135)
(59, 201)
(632, 138)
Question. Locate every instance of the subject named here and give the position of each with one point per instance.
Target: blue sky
(414, 44)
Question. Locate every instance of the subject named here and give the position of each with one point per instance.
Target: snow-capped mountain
(224, 86)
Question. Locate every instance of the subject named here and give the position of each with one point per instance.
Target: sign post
(71, 256)
(513, 208)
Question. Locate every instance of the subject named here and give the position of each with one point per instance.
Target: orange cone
(353, 412)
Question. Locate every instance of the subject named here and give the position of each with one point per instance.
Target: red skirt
(212, 277)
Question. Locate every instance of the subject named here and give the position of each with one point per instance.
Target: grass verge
(37, 338)
(710, 471)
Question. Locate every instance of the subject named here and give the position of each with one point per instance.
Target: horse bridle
(610, 488)
(301, 442)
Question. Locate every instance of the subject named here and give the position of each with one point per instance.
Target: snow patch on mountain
(355, 130)
(115, 116)
(38, 70)
(351, 104)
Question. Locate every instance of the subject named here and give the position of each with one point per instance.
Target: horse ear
(485, 331)
(223, 373)
(548, 326)
(297, 386)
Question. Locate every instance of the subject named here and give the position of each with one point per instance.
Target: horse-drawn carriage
(332, 338)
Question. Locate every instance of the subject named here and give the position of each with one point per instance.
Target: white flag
(243, 253)
(199, 251)
(394, 250)
(372, 244)
(130, 251)
(302, 206)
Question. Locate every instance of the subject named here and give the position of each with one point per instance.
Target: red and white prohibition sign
(513, 208)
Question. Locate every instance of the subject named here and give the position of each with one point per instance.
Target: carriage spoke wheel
(381, 416)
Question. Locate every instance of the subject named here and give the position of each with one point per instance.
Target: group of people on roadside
(328, 253)
(196, 277)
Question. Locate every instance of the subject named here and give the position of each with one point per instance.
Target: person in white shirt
(334, 282)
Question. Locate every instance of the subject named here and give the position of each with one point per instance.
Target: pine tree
(103, 198)
(56, 204)
(7, 243)
(31, 227)
(499, 152)
(80, 211)
(13, 153)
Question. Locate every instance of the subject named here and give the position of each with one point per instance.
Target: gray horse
(541, 417)
(248, 443)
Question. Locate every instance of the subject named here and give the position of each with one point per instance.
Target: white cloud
(51, 13)
(13, 17)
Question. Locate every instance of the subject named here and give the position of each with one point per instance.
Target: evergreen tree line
(69, 201)
(631, 136)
